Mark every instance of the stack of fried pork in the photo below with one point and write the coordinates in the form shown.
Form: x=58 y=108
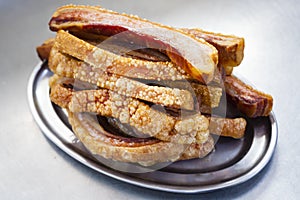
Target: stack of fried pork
x=157 y=86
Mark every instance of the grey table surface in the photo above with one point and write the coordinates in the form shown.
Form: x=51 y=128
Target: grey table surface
x=34 y=168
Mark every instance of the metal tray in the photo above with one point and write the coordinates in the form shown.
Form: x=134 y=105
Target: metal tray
x=233 y=161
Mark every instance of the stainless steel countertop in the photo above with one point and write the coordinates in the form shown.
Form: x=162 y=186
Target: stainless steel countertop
x=34 y=168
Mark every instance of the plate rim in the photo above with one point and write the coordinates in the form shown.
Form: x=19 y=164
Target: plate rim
x=122 y=176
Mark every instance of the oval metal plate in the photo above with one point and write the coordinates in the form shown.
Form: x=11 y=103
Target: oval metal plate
x=232 y=162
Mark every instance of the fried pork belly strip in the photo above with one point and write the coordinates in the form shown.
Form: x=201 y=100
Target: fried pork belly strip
x=250 y=101
x=230 y=48
x=110 y=62
x=146 y=151
x=63 y=65
x=145 y=119
x=69 y=67
x=227 y=127
x=195 y=56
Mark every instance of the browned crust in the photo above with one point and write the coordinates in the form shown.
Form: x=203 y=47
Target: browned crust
x=250 y=101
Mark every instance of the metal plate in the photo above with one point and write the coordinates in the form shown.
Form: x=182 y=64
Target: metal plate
x=233 y=161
